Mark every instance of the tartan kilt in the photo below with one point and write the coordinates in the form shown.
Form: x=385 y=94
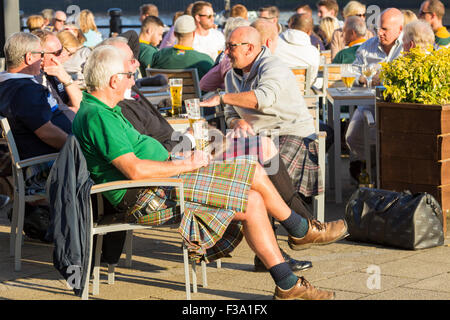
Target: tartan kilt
x=301 y=158
x=212 y=195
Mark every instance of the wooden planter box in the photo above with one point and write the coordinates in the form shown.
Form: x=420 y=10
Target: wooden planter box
x=414 y=149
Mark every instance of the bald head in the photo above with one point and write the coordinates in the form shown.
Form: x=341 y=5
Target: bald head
x=246 y=34
x=393 y=15
x=268 y=32
x=243 y=46
x=391 y=26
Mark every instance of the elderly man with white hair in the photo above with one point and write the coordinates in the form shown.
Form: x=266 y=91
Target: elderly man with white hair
x=418 y=34
x=239 y=192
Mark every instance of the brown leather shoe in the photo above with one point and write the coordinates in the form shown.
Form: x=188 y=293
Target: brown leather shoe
x=320 y=233
x=303 y=290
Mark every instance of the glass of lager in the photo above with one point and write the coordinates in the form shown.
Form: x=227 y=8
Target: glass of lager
x=348 y=74
x=201 y=136
x=193 y=110
x=176 y=91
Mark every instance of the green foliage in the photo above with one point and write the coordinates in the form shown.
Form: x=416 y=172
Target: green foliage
x=419 y=76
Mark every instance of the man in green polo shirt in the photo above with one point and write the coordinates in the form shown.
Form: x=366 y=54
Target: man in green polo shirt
x=115 y=151
x=182 y=55
x=354 y=36
x=151 y=35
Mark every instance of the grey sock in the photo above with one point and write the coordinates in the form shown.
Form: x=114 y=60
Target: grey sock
x=296 y=225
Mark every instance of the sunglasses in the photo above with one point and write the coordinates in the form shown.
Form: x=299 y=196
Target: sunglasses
x=128 y=74
x=230 y=46
x=209 y=16
x=59 y=20
x=42 y=53
x=422 y=13
x=360 y=15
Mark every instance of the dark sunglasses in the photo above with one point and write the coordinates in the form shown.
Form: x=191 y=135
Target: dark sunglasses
x=230 y=46
x=209 y=16
x=360 y=15
x=128 y=74
x=42 y=53
x=59 y=20
x=422 y=13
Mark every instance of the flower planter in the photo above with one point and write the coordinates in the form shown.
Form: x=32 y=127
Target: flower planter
x=414 y=149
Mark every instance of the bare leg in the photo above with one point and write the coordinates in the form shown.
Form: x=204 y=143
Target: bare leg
x=274 y=203
x=258 y=231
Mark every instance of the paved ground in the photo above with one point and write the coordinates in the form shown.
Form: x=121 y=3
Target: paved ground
x=354 y=271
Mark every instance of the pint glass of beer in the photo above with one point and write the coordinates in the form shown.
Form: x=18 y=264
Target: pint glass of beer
x=176 y=91
x=200 y=128
x=193 y=110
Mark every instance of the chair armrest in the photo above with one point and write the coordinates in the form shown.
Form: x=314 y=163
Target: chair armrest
x=368 y=117
x=36 y=160
x=126 y=184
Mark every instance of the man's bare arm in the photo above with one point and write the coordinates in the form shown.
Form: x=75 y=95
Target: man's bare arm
x=51 y=135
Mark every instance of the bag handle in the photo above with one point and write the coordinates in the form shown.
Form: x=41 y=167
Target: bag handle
x=387 y=206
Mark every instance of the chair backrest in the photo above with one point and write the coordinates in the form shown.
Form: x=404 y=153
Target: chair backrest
x=303 y=76
x=191 y=82
x=8 y=136
x=312 y=103
x=332 y=76
x=327 y=55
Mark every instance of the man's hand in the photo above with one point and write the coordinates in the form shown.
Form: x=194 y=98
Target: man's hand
x=57 y=71
x=241 y=128
x=211 y=102
x=196 y=159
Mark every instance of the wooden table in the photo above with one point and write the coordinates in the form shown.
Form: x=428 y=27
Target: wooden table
x=178 y=123
x=336 y=98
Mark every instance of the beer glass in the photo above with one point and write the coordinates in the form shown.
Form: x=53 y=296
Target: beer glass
x=348 y=74
x=193 y=110
x=200 y=128
x=176 y=91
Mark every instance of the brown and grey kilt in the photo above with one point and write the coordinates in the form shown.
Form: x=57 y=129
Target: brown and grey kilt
x=301 y=158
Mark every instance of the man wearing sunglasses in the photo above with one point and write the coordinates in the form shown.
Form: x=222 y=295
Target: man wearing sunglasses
x=37 y=128
x=207 y=39
x=64 y=93
x=59 y=21
x=433 y=11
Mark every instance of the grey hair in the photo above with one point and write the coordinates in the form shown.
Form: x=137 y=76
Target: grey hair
x=17 y=46
x=420 y=32
x=356 y=24
x=232 y=23
x=103 y=62
x=111 y=41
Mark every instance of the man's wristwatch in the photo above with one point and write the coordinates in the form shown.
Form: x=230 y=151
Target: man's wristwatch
x=221 y=94
x=68 y=83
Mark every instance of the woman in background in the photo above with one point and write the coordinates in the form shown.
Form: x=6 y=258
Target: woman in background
x=77 y=54
x=327 y=26
x=89 y=28
x=35 y=22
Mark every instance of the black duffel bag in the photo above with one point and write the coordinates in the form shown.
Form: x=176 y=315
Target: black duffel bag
x=398 y=219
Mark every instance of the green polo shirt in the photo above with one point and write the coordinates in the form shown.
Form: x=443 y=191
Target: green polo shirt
x=442 y=37
x=180 y=57
x=146 y=52
x=347 y=55
x=104 y=134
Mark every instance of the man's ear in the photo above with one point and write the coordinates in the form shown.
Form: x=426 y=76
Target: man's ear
x=28 y=58
x=113 y=81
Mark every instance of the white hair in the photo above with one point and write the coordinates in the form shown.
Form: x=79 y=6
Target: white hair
x=232 y=23
x=103 y=62
x=356 y=24
x=420 y=32
x=17 y=46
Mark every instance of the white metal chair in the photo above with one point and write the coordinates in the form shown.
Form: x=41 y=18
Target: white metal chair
x=20 y=198
x=312 y=102
x=101 y=230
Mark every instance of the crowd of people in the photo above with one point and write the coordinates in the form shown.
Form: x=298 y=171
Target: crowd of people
x=64 y=79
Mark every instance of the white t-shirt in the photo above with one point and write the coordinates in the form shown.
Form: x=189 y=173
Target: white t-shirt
x=211 y=44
